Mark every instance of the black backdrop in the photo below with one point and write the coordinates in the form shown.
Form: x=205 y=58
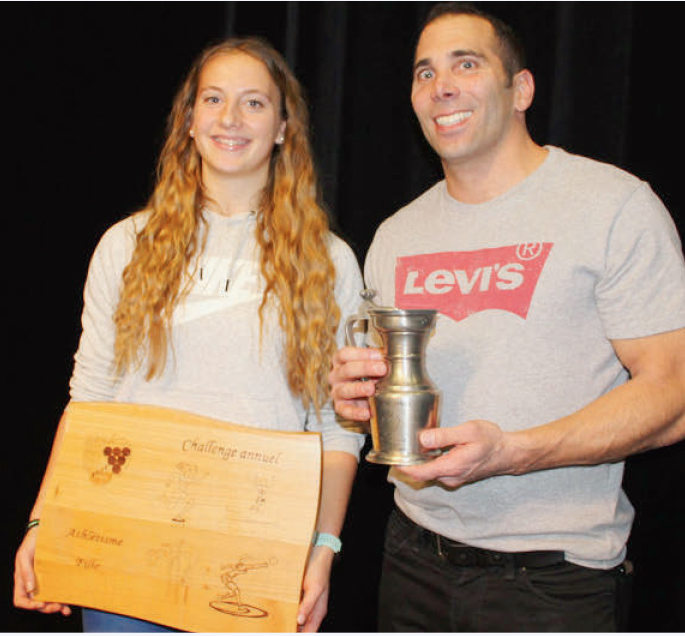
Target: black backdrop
x=87 y=87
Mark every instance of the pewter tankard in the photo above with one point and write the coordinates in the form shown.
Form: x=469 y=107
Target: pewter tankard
x=405 y=401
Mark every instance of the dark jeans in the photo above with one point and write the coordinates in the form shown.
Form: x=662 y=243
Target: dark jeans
x=422 y=592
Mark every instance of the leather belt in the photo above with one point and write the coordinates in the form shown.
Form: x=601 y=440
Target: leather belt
x=460 y=554
x=465 y=555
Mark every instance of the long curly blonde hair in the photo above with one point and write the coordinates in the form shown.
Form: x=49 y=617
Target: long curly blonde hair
x=292 y=232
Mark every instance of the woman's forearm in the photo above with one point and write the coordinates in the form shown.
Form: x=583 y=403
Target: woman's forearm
x=338 y=473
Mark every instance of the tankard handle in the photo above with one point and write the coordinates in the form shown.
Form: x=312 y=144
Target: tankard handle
x=350 y=324
x=363 y=316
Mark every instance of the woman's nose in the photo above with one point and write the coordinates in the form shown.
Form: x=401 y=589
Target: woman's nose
x=230 y=115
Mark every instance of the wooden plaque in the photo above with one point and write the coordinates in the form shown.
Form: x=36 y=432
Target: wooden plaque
x=179 y=519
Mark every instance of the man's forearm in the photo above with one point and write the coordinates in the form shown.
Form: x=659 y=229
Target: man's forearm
x=642 y=414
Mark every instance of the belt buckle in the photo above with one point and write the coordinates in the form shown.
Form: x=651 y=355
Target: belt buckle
x=457 y=557
x=438 y=543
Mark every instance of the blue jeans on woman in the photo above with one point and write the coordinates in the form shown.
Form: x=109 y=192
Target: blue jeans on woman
x=97 y=621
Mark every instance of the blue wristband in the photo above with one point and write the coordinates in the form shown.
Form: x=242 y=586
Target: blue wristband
x=329 y=541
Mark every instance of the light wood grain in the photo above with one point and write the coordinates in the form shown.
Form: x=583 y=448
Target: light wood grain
x=179 y=519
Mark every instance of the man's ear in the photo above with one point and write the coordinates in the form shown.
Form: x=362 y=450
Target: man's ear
x=524 y=87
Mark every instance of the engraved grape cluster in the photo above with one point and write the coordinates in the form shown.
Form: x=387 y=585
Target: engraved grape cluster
x=116 y=457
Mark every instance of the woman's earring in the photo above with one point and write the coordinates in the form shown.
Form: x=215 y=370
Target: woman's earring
x=192 y=134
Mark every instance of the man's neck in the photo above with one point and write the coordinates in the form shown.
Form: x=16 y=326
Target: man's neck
x=478 y=181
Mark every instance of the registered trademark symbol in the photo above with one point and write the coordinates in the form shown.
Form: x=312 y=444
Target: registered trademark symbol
x=529 y=251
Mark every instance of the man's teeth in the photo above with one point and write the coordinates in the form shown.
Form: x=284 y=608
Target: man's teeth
x=450 y=120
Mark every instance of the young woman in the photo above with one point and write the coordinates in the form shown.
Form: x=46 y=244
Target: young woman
x=226 y=294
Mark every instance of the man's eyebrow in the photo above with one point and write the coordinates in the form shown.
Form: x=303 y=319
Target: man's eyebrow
x=456 y=54
x=421 y=63
x=467 y=53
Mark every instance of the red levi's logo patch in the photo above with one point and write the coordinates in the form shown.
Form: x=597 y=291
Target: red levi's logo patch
x=459 y=284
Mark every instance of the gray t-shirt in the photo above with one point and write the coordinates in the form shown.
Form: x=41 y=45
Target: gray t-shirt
x=217 y=366
x=530 y=289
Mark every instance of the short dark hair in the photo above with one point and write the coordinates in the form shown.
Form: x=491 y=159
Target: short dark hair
x=512 y=51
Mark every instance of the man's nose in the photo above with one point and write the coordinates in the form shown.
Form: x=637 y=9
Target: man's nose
x=445 y=87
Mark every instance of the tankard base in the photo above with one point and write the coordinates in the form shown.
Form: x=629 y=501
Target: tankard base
x=397 y=458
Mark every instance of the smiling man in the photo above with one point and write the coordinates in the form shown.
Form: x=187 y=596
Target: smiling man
x=471 y=106
x=559 y=350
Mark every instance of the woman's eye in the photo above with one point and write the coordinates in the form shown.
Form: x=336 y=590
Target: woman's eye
x=212 y=99
x=254 y=103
